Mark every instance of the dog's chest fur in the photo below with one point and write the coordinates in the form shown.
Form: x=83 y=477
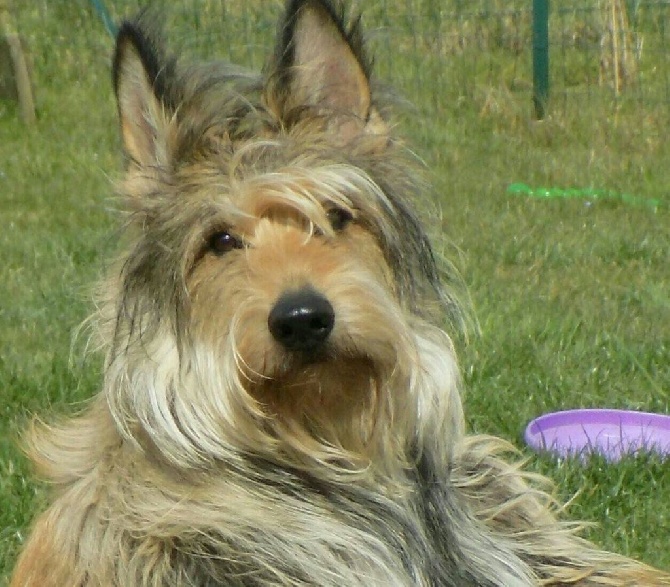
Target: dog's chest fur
x=292 y=529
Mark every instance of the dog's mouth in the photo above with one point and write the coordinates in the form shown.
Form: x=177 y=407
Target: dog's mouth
x=316 y=381
x=320 y=369
x=311 y=360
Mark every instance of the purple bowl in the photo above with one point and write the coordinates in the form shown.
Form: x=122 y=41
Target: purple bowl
x=610 y=433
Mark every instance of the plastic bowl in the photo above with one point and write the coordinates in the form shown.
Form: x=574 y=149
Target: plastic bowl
x=610 y=433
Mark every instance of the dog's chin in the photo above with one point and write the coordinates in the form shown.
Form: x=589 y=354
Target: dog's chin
x=323 y=380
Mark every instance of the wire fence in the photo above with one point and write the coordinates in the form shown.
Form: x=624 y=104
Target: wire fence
x=605 y=52
x=439 y=53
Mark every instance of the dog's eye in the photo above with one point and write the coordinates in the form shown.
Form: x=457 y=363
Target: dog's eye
x=224 y=242
x=339 y=218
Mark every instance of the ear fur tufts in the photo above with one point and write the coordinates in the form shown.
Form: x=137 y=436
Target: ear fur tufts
x=144 y=36
x=320 y=67
x=349 y=28
x=140 y=74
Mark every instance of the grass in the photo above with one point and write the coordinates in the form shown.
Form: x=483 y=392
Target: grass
x=571 y=296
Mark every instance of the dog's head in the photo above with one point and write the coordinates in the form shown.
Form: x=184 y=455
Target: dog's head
x=274 y=292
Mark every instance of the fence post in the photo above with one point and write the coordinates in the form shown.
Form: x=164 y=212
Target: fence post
x=540 y=56
x=12 y=50
x=107 y=20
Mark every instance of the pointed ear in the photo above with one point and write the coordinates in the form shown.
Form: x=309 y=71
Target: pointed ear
x=138 y=72
x=320 y=64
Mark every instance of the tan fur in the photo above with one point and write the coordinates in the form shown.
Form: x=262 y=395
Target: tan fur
x=236 y=442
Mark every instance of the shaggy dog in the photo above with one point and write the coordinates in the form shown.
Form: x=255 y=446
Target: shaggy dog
x=280 y=404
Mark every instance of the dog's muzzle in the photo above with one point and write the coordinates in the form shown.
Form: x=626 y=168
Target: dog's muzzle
x=302 y=320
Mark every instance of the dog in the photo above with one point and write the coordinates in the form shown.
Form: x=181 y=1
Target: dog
x=280 y=404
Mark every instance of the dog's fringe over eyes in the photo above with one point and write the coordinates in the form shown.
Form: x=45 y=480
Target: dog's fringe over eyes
x=280 y=404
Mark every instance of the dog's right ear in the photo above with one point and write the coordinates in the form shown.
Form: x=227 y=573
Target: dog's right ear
x=140 y=71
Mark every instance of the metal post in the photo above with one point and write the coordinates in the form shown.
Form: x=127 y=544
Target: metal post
x=540 y=56
x=107 y=20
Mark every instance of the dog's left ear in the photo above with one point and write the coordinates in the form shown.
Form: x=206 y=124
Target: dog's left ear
x=320 y=64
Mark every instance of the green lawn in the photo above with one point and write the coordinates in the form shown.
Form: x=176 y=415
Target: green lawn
x=572 y=297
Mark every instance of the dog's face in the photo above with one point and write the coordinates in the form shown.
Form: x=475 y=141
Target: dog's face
x=276 y=276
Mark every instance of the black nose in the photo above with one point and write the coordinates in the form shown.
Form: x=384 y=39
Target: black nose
x=301 y=320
